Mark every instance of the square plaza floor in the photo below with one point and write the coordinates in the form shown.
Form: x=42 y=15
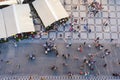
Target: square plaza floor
x=111 y=9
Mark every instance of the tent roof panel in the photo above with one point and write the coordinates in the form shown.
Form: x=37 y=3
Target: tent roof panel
x=8 y=2
x=44 y=12
x=58 y=9
x=23 y=18
x=2 y=26
x=10 y=22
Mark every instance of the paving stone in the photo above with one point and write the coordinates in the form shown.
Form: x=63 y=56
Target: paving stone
x=75 y=1
x=117 y=2
x=118 y=8
x=113 y=28
x=44 y=35
x=112 y=8
x=91 y=36
x=98 y=21
x=105 y=8
x=76 y=14
x=92 y=27
x=98 y=28
x=60 y=28
x=52 y=35
x=99 y=1
x=68 y=7
x=118 y=28
x=75 y=35
x=114 y=35
x=113 y=21
x=104 y=1
x=111 y=1
x=105 y=14
x=118 y=15
x=67 y=28
x=90 y=21
x=99 y=15
x=67 y=34
x=68 y=1
x=100 y=35
x=118 y=21
x=82 y=8
x=83 y=14
x=106 y=29
x=106 y=35
x=112 y=14
x=83 y=35
x=119 y=35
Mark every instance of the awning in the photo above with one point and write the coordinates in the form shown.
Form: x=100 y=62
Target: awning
x=17 y=19
x=50 y=11
x=8 y=2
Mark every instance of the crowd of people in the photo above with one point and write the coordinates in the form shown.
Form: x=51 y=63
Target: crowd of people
x=93 y=8
x=50 y=47
x=89 y=61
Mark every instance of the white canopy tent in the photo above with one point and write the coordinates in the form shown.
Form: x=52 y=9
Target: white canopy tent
x=17 y=19
x=8 y=2
x=50 y=11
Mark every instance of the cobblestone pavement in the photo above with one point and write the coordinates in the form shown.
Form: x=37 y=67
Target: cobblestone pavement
x=57 y=78
x=111 y=9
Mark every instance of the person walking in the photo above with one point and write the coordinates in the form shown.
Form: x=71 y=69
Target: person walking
x=105 y=50
x=97 y=39
x=86 y=27
x=81 y=48
x=84 y=43
x=107 y=53
x=105 y=65
x=65 y=64
x=111 y=40
x=53 y=68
